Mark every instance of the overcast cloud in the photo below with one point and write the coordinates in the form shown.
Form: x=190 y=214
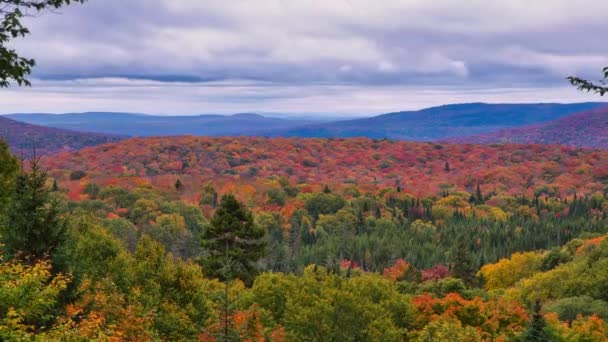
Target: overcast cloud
x=339 y=57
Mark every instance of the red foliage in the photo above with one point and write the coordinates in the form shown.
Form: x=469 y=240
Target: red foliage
x=24 y=137
x=229 y=163
x=586 y=129
x=437 y=272
x=346 y=264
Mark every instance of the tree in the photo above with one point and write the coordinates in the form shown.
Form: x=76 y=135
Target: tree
x=29 y=298
x=446 y=167
x=463 y=267
x=588 y=86
x=179 y=185
x=9 y=167
x=14 y=68
x=538 y=330
x=32 y=226
x=232 y=238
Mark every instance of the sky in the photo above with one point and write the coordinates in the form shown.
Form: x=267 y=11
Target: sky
x=307 y=57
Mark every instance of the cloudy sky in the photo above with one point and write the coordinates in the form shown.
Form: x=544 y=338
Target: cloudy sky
x=330 y=57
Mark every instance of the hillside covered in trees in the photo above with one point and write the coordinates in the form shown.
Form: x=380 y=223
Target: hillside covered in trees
x=23 y=138
x=587 y=129
x=420 y=169
x=428 y=124
x=332 y=238
x=263 y=244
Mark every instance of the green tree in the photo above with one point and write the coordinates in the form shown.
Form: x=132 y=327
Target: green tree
x=324 y=203
x=9 y=167
x=29 y=298
x=32 y=226
x=584 y=85
x=538 y=330
x=232 y=238
x=463 y=267
x=14 y=68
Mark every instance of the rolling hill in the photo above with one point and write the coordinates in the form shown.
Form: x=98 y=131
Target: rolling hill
x=438 y=123
x=429 y=124
x=151 y=125
x=586 y=129
x=23 y=138
x=419 y=168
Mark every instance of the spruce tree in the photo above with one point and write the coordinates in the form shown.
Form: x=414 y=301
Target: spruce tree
x=9 y=167
x=32 y=227
x=233 y=239
x=179 y=185
x=478 y=195
x=538 y=330
x=463 y=267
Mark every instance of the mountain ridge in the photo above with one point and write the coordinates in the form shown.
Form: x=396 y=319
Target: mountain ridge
x=24 y=138
x=586 y=129
x=430 y=124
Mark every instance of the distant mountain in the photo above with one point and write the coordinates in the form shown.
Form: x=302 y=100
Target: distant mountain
x=150 y=125
x=429 y=124
x=586 y=129
x=23 y=138
x=441 y=122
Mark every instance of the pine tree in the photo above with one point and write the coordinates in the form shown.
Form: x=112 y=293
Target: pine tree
x=326 y=190
x=463 y=267
x=9 y=167
x=232 y=238
x=447 y=167
x=478 y=195
x=179 y=185
x=538 y=330
x=32 y=227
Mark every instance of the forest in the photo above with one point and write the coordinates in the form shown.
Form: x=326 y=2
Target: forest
x=218 y=239
x=105 y=237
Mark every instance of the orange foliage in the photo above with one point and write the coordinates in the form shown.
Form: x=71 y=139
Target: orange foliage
x=102 y=311
x=397 y=271
x=491 y=318
x=508 y=169
x=591 y=328
x=591 y=242
x=246 y=324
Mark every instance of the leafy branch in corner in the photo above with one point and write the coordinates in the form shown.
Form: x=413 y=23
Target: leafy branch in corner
x=584 y=85
x=13 y=67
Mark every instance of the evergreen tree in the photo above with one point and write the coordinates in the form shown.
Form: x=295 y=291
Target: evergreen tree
x=447 y=167
x=538 y=330
x=179 y=185
x=9 y=167
x=232 y=238
x=32 y=227
x=463 y=267
x=326 y=190
x=478 y=195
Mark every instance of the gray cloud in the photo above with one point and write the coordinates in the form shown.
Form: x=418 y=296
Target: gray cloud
x=378 y=47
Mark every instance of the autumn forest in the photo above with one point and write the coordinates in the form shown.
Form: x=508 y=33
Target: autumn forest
x=475 y=209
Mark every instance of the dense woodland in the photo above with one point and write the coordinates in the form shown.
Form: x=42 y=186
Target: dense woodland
x=564 y=131
x=24 y=138
x=288 y=240
x=252 y=239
